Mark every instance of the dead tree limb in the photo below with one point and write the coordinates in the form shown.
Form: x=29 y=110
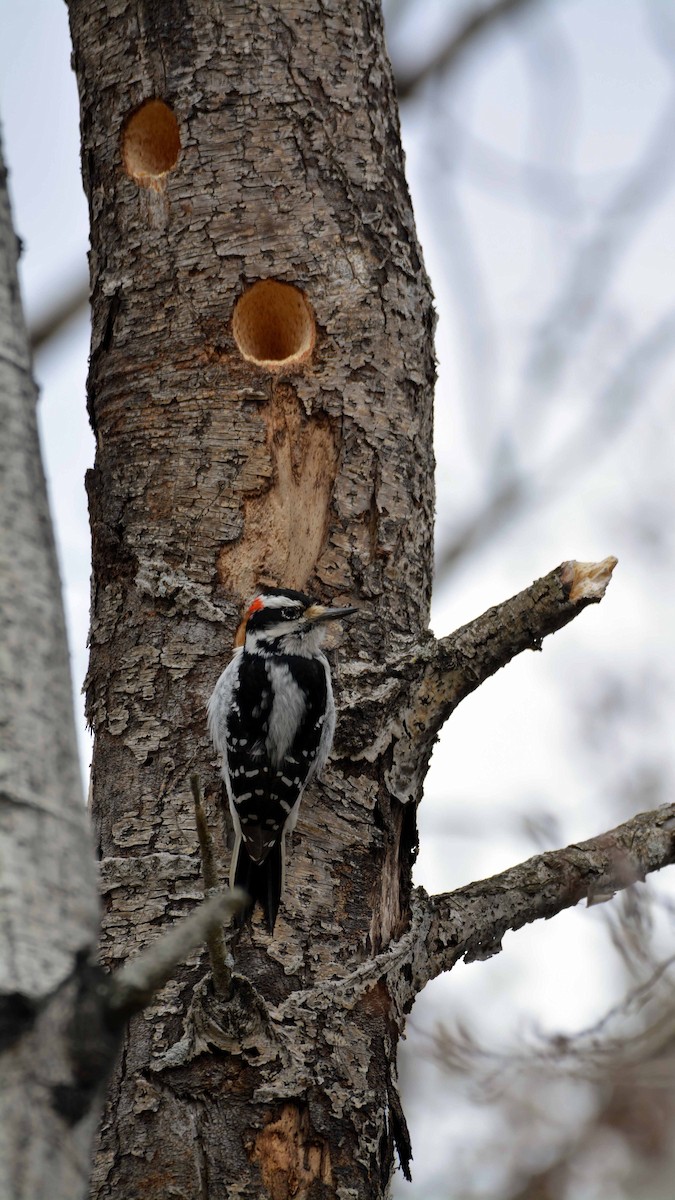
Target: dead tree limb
x=470 y=922
x=423 y=689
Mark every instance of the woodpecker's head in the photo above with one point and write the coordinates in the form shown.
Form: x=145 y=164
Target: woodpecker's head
x=280 y=621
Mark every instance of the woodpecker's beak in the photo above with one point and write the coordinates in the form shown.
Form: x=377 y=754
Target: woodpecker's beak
x=318 y=613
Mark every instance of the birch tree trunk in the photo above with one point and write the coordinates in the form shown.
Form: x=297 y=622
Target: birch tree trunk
x=48 y=892
x=261 y=389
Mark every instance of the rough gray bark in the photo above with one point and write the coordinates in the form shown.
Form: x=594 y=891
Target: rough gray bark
x=224 y=459
x=48 y=890
x=206 y=465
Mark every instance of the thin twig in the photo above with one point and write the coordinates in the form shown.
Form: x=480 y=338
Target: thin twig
x=448 y=55
x=132 y=987
x=215 y=942
x=70 y=304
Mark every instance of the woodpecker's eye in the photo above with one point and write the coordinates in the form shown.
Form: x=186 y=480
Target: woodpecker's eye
x=289 y=614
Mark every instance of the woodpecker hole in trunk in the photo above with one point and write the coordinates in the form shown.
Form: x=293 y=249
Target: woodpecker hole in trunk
x=273 y=325
x=150 y=143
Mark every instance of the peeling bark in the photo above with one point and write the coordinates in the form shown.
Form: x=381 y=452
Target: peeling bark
x=213 y=474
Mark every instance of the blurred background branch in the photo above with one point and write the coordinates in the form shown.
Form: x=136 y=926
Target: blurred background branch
x=56 y=320
x=462 y=39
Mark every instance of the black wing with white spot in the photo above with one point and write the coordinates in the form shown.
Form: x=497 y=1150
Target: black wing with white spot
x=273 y=742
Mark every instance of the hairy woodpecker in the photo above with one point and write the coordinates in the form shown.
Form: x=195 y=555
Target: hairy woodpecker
x=272 y=718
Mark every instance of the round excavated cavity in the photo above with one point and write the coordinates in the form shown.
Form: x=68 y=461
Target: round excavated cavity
x=273 y=325
x=150 y=143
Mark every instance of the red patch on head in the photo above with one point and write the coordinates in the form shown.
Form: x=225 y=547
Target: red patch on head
x=257 y=604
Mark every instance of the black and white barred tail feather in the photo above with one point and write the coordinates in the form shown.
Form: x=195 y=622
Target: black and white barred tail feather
x=263 y=882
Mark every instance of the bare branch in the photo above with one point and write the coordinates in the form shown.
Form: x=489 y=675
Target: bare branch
x=449 y=54
x=133 y=986
x=450 y=669
x=468 y=657
x=470 y=922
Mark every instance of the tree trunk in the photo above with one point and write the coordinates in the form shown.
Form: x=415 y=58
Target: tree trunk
x=48 y=892
x=290 y=443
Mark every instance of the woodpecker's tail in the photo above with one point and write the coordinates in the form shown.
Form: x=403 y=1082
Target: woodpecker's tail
x=263 y=881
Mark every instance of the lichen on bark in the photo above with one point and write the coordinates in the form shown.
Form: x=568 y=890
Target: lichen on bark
x=213 y=473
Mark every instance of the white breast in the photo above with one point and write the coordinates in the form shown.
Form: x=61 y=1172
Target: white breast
x=288 y=709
